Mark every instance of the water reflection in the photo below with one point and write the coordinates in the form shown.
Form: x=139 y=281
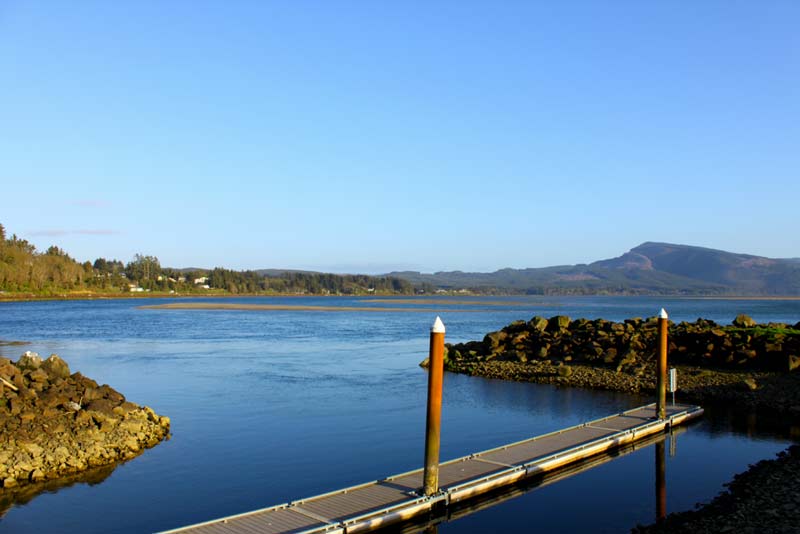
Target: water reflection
x=257 y=399
x=10 y=497
x=719 y=423
x=553 y=401
x=721 y=419
x=430 y=524
x=661 y=481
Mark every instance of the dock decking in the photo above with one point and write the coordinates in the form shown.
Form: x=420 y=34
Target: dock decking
x=399 y=497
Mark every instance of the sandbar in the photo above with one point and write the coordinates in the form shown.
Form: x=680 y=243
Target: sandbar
x=224 y=306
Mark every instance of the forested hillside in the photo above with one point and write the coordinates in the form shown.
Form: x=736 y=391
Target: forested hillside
x=22 y=268
x=25 y=270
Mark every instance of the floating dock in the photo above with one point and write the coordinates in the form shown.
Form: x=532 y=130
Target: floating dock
x=400 y=498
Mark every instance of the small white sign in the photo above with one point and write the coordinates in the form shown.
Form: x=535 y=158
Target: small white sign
x=673 y=380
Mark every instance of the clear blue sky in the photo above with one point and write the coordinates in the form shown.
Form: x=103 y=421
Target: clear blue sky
x=371 y=136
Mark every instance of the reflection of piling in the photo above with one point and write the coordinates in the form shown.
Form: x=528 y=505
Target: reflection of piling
x=661 y=482
x=661 y=369
x=434 y=416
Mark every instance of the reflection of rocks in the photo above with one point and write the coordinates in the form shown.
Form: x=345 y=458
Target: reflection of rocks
x=765 y=498
x=22 y=494
x=54 y=423
x=745 y=363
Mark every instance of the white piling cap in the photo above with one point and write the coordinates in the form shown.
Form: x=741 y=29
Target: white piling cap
x=438 y=326
x=663 y=314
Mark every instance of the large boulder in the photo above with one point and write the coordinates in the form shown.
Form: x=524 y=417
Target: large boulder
x=539 y=324
x=104 y=406
x=559 y=322
x=494 y=340
x=516 y=326
x=56 y=367
x=7 y=368
x=744 y=321
x=29 y=360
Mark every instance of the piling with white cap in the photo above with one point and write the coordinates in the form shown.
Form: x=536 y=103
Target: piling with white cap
x=434 y=416
x=661 y=368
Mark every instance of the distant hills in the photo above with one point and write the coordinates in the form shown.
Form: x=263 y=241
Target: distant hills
x=650 y=268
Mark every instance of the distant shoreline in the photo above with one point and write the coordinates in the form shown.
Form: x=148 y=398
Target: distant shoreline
x=382 y=298
x=222 y=306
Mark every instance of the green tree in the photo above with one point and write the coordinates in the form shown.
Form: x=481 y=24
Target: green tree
x=144 y=269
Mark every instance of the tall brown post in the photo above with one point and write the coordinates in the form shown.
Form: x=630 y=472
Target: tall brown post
x=434 y=419
x=661 y=482
x=661 y=369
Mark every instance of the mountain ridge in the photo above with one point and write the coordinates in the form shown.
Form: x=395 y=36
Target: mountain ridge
x=650 y=268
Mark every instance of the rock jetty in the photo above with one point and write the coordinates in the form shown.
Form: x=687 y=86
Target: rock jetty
x=743 y=364
x=54 y=423
x=746 y=363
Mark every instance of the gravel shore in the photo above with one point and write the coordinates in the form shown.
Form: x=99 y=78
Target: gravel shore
x=765 y=498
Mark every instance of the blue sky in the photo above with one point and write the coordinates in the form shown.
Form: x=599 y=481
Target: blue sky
x=373 y=136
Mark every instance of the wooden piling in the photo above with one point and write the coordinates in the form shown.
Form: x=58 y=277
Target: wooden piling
x=661 y=369
x=434 y=414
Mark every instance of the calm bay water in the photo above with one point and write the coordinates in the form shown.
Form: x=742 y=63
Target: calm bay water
x=270 y=406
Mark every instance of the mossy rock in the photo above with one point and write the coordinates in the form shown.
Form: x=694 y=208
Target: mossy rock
x=561 y=322
x=538 y=324
x=743 y=321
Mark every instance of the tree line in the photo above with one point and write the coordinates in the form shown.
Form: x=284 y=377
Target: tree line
x=309 y=283
x=24 y=269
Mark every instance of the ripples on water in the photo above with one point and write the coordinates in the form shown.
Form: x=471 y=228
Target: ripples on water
x=269 y=406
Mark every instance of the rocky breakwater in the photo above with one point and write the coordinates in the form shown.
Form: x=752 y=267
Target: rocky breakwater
x=54 y=423
x=744 y=362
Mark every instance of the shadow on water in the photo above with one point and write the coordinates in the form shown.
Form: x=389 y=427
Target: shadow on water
x=21 y=495
x=720 y=419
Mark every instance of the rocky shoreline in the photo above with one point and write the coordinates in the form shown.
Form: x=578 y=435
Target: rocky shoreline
x=745 y=364
x=55 y=424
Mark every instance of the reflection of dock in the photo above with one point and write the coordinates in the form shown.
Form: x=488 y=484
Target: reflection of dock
x=466 y=508
x=400 y=498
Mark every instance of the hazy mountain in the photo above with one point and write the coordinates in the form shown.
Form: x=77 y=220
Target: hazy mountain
x=659 y=268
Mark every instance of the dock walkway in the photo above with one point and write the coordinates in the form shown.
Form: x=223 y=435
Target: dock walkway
x=399 y=498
